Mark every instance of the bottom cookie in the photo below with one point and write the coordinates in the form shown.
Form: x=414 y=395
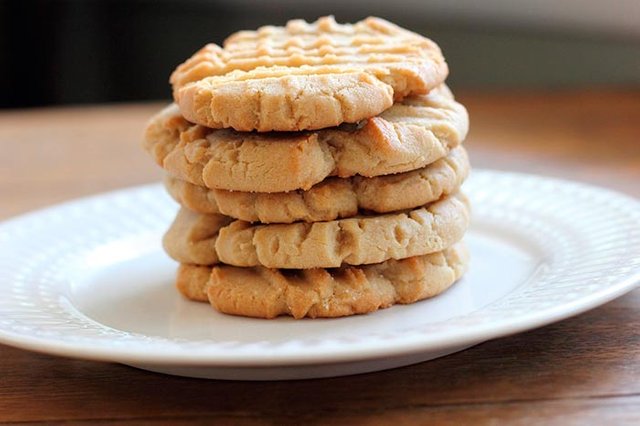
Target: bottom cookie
x=267 y=293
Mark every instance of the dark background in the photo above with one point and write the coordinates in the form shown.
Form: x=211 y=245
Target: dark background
x=73 y=51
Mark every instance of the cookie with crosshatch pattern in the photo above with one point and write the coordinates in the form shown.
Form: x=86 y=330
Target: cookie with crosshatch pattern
x=306 y=76
x=411 y=134
x=207 y=239
x=332 y=198
x=349 y=290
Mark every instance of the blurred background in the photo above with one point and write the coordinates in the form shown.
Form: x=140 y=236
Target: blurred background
x=75 y=52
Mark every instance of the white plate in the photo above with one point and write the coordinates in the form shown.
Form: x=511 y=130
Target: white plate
x=88 y=279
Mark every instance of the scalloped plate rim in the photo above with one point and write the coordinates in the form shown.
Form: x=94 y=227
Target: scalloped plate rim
x=347 y=353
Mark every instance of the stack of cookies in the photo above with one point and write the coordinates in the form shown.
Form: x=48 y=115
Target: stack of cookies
x=318 y=167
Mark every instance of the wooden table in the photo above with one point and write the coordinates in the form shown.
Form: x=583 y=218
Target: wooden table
x=582 y=369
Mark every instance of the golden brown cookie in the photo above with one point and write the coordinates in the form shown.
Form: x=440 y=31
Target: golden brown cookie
x=306 y=76
x=409 y=135
x=203 y=240
x=191 y=238
x=332 y=198
x=354 y=241
x=267 y=293
x=192 y=281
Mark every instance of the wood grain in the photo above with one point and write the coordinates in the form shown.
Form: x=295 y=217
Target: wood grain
x=582 y=370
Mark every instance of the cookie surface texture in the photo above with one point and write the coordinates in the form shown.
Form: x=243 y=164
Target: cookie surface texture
x=354 y=241
x=332 y=198
x=267 y=293
x=306 y=76
x=208 y=239
x=408 y=136
x=191 y=238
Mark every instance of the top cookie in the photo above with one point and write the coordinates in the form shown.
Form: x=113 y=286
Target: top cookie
x=305 y=76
